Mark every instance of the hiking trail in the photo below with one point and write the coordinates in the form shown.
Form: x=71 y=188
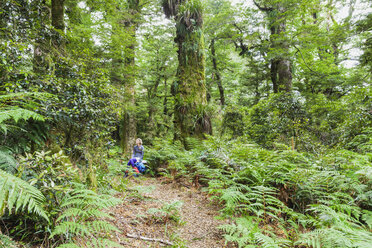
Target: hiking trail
x=151 y=209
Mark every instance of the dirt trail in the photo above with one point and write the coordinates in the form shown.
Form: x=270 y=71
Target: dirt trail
x=196 y=229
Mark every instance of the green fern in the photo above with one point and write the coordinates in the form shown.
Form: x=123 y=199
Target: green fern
x=246 y=233
x=234 y=199
x=169 y=211
x=19 y=106
x=241 y=233
x=17 y=114
x=18 y=195
x=7 y=161
x=336 y=236
x=82 y=218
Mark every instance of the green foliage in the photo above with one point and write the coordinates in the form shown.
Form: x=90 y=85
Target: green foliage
x=246 y=233
x=169 y=211
x=279 y=198
x=17 y=112
x=6 y=241
x=81 y=221
x=18 y=195
x=275 y=118
x=312 y=189
x=7 y=161
x=52 y=174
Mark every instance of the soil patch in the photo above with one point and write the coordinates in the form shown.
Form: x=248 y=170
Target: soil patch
x=157 y=209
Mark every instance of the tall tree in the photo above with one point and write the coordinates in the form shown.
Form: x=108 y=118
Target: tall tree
x=191 y=117
x=280 y=64
x=124 y=67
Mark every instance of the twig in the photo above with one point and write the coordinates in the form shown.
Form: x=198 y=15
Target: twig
x=149 y=239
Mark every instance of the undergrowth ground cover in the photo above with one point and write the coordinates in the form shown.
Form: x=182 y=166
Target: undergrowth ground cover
x=278 y=198
x=270 y=198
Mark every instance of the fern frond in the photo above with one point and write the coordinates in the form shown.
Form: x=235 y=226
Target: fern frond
x=99 y=226
x=14 y=192
x=336 y=236
x=102 y=243
x=7 y=161
x=232 y=197
x=70 y=227
x=85 y=197
x=266 y=241
x=82 y=219
x=81 y=213
x=242 y=232
x=17 y=114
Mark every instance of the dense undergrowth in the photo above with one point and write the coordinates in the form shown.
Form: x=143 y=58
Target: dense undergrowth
x=49 y=202
x=278 y=198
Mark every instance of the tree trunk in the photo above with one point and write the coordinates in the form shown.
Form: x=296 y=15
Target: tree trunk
x=280 y=71
x=129 y=124
x=58 y=12
x=42 y=60
x=152 y=104
x=274 y=74
x=165 y=102
x=217 y=73
x=189 y=90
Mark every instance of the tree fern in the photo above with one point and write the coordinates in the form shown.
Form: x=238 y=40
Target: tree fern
x=18 y=195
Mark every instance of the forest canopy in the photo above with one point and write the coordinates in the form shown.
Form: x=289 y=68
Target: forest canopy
x=264 y=104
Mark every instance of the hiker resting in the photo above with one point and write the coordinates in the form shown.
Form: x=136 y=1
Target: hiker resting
x=138 y=150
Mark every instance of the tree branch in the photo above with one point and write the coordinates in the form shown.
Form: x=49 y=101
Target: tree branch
x=149 y=239
x=266 y=9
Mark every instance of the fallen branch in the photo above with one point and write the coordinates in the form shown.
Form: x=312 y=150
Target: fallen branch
x=149 y=239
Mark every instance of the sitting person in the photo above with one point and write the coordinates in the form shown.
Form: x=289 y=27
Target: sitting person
x=138 y=150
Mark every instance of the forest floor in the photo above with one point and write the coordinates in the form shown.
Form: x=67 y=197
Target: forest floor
x=169 y=214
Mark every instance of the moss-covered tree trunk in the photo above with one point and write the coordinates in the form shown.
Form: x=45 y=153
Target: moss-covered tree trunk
x=189 y=90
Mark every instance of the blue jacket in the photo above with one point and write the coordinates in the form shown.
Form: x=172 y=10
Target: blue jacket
x=138 y=152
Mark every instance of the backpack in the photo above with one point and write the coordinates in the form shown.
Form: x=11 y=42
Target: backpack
x=141 y=167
